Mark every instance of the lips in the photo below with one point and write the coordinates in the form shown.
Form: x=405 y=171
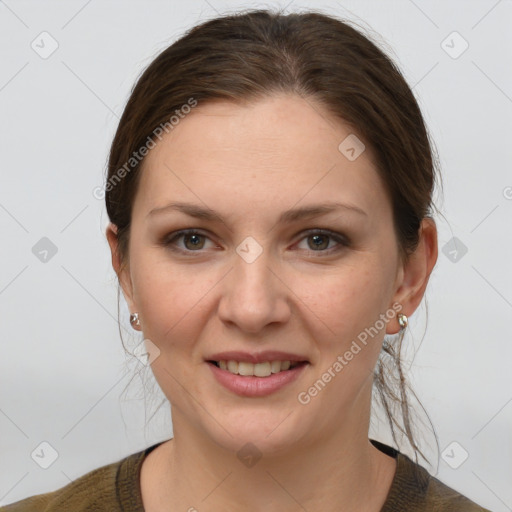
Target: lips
x=251 y=385
x=256 y=374
x=262 y=364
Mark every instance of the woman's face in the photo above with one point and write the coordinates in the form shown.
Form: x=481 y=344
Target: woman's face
x=257 y=278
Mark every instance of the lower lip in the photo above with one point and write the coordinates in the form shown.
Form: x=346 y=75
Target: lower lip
x=245 y=385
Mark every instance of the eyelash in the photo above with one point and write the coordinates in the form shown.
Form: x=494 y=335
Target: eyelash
x=343 y=242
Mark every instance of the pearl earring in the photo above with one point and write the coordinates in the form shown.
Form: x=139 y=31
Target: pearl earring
x=402 y=321
x=134 y=320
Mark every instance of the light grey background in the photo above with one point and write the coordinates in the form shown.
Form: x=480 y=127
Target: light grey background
x=63 y=368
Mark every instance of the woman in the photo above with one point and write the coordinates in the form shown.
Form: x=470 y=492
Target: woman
x=270 y=196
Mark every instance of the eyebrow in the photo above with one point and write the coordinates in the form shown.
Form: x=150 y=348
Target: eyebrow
x=286 y=217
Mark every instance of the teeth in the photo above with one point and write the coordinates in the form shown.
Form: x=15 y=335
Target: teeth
x=258 y=370
x=275 y=366
x=232 y=366
x=246 y=368
x=262 y=369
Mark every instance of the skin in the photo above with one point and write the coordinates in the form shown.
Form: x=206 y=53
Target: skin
x=249 y=163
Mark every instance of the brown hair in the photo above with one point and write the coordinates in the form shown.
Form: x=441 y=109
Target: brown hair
x=252 y=54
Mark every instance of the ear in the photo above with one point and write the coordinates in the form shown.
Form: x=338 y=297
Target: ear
x=413 y=276
x=121 y=268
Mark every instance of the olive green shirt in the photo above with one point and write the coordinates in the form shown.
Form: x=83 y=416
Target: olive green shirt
x=116 y=488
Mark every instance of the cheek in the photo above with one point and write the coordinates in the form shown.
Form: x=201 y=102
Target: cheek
x=174 y=301
x=345 y=324
x=346 y=301
x=345 y=314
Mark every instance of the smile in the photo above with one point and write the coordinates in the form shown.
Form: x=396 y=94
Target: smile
x=256 y=379
x=263 y=369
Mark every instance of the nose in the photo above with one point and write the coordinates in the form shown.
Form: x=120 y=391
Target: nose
x=254 y=295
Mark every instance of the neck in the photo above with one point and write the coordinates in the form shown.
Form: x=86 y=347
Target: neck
x=340 y=471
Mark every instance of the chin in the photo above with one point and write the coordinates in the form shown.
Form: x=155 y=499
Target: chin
x=268 y=432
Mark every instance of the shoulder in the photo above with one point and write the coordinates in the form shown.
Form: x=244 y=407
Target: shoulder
x=444 y=498
x=415 y=490
x=96 y=490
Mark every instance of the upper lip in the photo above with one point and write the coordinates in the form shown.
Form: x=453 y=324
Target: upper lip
x=256 y=357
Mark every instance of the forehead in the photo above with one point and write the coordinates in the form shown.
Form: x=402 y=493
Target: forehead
x=281 y=147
